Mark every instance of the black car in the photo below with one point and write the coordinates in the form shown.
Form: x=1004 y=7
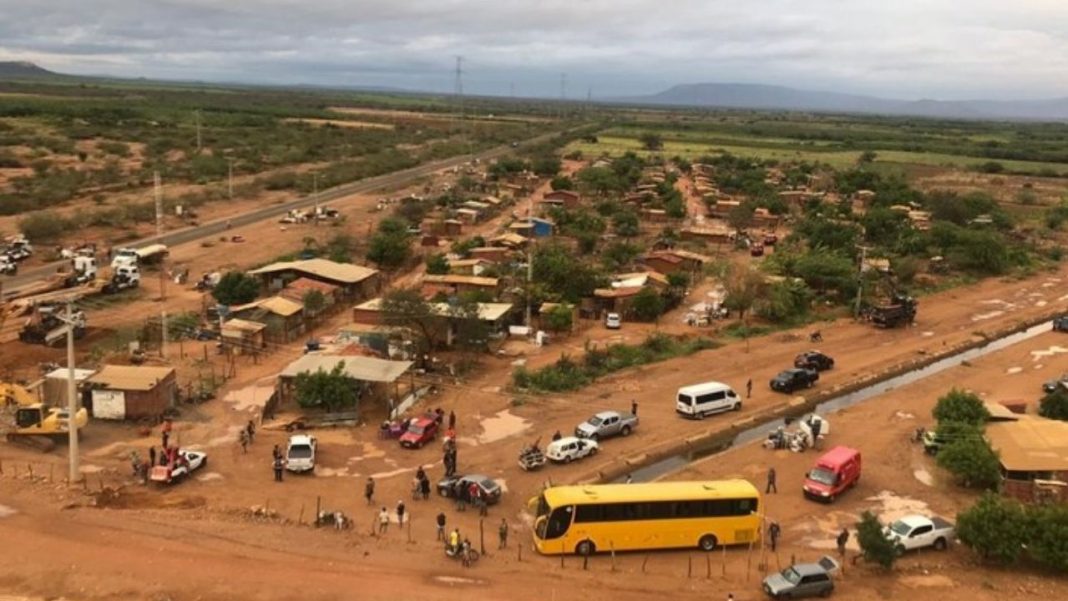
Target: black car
x=792 y=379
x=814 y=360
x=461 y=485
x=1060 y=324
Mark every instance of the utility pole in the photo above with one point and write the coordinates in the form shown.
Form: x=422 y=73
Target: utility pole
x=163 y=334
x=196 y=114
x=158 y=191
x=72 y=398
x=230 y=177
x=530 y=262
x=458 y=89
x=860 y=280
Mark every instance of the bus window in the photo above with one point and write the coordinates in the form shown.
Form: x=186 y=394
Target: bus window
x=558 y=523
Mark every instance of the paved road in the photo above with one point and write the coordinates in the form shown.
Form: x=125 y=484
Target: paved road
x=213 y=228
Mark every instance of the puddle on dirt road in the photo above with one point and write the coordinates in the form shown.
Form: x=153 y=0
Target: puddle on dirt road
x=894 y=507
x=760 y=431
x=923 y=476
x=1013 y=370
x=6 y=512
x=250 y=398
x=1051 y=351
x=501 y=426
x=210 y=476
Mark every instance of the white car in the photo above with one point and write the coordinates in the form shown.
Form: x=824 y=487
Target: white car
x=613 y=321
x=570 y=448
x=300 y=453
x=185 y=463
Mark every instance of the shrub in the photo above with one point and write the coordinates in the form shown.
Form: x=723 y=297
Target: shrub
x=960 y=406
x=437 y=264
x=1055 y=405
x=971 y=460
x=236 y=288
x=43 y=225
x=559 y=318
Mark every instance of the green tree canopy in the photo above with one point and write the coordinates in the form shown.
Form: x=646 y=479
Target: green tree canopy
x=648 y=305
x=996 y=528
x=651 y=141
x=236 y=288
x=1055 y=405
x=565 y=275
x=390 y=247
x=562 y=182
x=332 y=390
x=971 y=460
x=874 y=545
x=960 y=406
x=406 y=308
x=559 y=318
x=743 y=287
x=437 y=264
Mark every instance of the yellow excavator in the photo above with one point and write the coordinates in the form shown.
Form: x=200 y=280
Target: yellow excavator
x=37 y=426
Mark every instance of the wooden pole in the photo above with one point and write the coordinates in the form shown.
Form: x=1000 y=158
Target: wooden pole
x=612 y=547
x=708 y=566
x=481 y=536
x=689 y=566
x=645 y=560
x=318 y=509
x=724 y=560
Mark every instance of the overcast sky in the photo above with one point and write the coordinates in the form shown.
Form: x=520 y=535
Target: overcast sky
x=946 y=49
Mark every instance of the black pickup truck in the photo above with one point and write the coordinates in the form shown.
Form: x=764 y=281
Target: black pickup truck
x=792 y=379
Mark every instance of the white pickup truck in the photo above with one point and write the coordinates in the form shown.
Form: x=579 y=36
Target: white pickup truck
x=917 y=532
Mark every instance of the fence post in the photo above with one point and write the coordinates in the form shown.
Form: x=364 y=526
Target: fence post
x=318 y=509
x=689 y=566
x=708 y=566
x=481 y=536
x=645 y=560
x=612 y=548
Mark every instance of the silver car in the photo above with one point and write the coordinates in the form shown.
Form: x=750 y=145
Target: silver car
x=802 y=580
x=607 y=424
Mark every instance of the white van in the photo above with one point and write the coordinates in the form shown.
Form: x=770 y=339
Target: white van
x=700 y=400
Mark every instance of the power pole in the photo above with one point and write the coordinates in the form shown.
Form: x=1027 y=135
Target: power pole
x=196 y=114
x=860 y=280
x=230 y=177
x=158 y=191
x=458 y=89
x=163 y=334
x=530 y=262
x=72 y=398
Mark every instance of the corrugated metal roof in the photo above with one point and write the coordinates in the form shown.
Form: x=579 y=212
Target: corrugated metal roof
x=472 y=280
x=366 y=369
x=281 y=306
x=242 y=326
x=131 y=377
x=486 y=311
x=346 y=273
x=62 y=373
x=1034 y=444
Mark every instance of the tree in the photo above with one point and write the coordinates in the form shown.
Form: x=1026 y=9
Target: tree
x=472 y=334
x=570 y=277
x=960 y=406
x=314 y=302
x=874 y=545
x=743 y=288
x=391 y=246
x=651 y=141
x=741 y=216
x=972 y=461
x=1049 y=536
x=559 y=318
x=333 y=390
x=437 y=264
x=785 y=302
x=995 y=528
x=406 y=308
x=546 y=165
x=236 y=288
x=620 y=254
x=626 y=223
x=1055 y=405
x=562 y=182
x=648 y=305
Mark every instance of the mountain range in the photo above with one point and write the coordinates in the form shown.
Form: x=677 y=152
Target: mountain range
x=769 y=97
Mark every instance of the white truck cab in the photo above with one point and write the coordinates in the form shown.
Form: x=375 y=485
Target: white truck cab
x=125 y=256
x=300 y=453
x=917 y=532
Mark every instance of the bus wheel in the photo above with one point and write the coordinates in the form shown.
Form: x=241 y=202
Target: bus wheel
x=585 y=548
x=707 y=543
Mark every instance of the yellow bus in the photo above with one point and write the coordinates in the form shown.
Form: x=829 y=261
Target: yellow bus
x=659 y=515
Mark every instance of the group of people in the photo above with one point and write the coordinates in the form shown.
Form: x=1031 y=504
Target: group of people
x=244 y=438
x=278 y=460
x=420 y=485
x=470 y=493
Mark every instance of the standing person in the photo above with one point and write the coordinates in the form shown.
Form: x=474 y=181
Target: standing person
x=773 y=534
x=816 y=425
x=441 y=526
x=629 y=479
x=474 y=493
x=242 y=439
x=400 y=512
x=424 y=487
x=151 y=456
x=749 y=388
x=251 y=429
x=502 y=532
x=420 y=474
x=276 y=452
x=843 y=538
x=557 y=436
x=439 y=416
x=461 y=496
x=771 y=487
x=483 y=503
x=454 y=540
x=383 y=521
x=452 y=420
x=466 y=551
x=279 y=465
x=634 y=407
x=165 y=431
x=369 y=491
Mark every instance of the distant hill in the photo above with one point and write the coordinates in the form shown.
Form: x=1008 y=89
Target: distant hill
x=23 y=69
x=768 y=97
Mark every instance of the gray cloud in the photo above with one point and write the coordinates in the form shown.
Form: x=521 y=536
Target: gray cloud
x=906 y=48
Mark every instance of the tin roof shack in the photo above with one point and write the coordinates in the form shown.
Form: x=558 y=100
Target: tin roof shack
x=676 y=260
x=625 y=287
x=284 y=318
x=493 y=254
x=1033 y=453
x=711 y=234
x=299 y=290
x=535 y=227
x=495 y=315
x=458 y=284
x=356 y=282
x=560 y=198
x=240 y=336
x=54 y=390
x=374 y=378
x=468 y=266
x=132 y=391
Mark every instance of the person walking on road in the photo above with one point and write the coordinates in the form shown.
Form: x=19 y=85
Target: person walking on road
x=441 y=526
x=242 y=439
x=461 y=497
x=424 y=487
x=749 y=388
x=773 y=535
x=151 y=456
x=251 y=429
x=369 y=491
x=383 y=521
x=276 y=452
x=771 y=487
x=452 y=420
x=279 y=465
x=634 y=407
x=400 y=512
x=843 y=538
x=502 y=532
